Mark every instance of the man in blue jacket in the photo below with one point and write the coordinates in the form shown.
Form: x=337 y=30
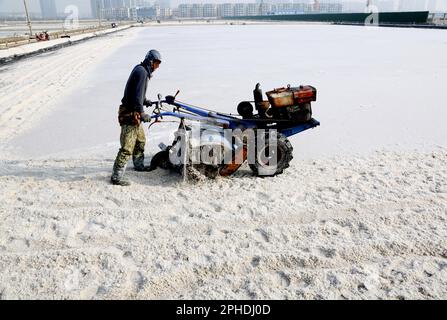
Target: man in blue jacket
x=131 y=114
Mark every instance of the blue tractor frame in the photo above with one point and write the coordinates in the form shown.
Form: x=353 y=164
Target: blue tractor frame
x=219 y=121
x=185 y=111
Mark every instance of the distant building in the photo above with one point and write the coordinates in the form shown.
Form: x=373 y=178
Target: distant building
x=184 y=10
x=120 y=14
x=197 y=10
x=210 y=10
x=48 y=9
x=165 y=13
x=259 y=8
x=153 y=12
x=164 y=4
x=96 y=7
x=265 y=9
x=133 y=16
x=240 y=9
x=115 y=9
x=331 y=7
x=253 y=9
x=226 y=10
x=148 y=12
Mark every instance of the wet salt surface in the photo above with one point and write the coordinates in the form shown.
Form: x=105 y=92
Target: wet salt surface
x=378 y=89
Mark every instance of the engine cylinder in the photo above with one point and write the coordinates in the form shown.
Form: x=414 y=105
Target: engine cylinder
x=259 y=100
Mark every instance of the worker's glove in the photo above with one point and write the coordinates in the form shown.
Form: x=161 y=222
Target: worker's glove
x=170 y=99
x=148 y=103
x=145 y=117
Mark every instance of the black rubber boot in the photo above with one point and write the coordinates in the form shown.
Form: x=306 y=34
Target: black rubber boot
x=139 y=166
x=118 y=177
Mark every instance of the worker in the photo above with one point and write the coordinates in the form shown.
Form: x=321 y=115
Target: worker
x=131 y=115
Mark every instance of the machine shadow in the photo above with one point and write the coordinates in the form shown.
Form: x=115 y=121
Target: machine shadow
x=57 y=170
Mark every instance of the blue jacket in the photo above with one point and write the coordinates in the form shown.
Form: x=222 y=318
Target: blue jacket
x=136 y=87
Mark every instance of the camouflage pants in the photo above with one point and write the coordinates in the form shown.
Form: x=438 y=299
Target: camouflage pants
x=133 y=141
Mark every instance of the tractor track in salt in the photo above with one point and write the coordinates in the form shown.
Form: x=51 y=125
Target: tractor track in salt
x=35 y=85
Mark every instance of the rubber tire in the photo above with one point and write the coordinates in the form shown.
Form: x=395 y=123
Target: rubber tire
x=245 y=109
x=161 y=160
x=285 y=149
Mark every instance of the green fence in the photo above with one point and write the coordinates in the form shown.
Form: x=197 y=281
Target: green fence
x=416 y=17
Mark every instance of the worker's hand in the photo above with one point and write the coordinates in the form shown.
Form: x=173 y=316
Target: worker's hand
x=148 y=103
x=145 y=117
x=170 y=99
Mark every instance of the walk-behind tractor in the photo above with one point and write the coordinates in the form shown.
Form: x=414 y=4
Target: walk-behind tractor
x=217 y=144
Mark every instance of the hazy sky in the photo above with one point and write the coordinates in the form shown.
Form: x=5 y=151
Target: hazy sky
x=84 y=5
x=17 y=5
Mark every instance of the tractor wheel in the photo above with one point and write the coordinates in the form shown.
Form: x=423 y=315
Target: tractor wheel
x=161 y=160
x=284 y=154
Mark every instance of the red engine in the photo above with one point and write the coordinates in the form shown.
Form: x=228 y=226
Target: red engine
x=290 y=103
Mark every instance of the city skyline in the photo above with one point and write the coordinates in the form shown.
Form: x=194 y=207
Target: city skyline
x=48 y=9
x=85 y=6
